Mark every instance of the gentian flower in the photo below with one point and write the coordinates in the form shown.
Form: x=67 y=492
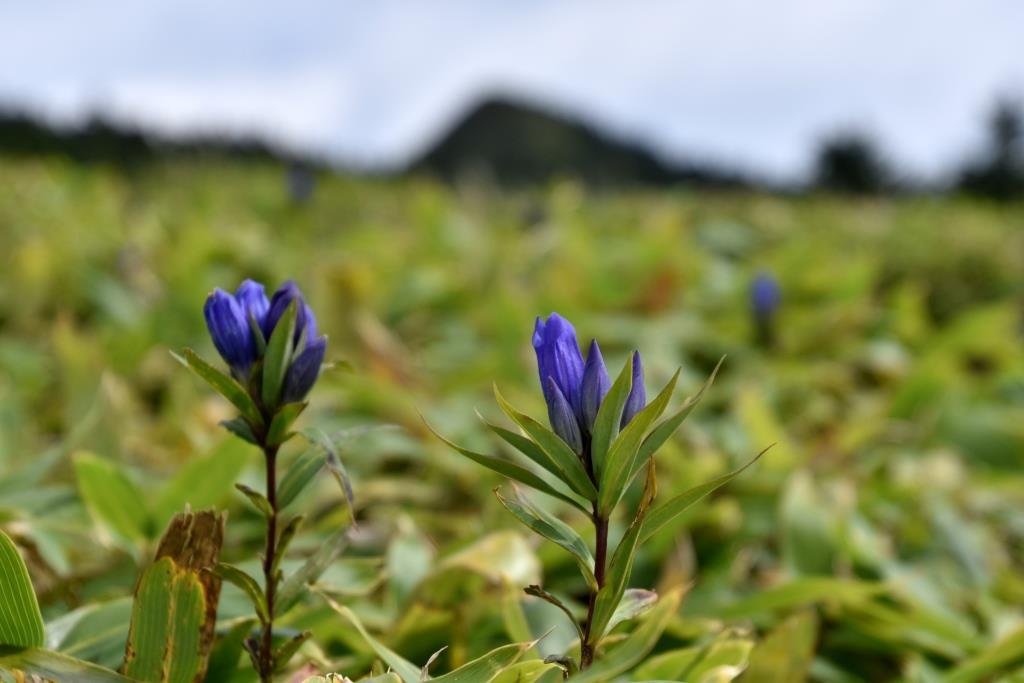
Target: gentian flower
x=637 y=398
x=233 y=321
x=230 y=331
x=765 y=295
x=304 y=321
x=574 y=390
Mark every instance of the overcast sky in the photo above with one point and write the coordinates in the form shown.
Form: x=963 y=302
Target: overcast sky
x=749 y=82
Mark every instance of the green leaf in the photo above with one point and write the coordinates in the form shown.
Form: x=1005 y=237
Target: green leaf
x=722 y=659
x=634 y=602
x=21 y=624
x=112 y=499
x=300 y=473
x=95 y=632
x=530 y=672
x=786 y=653
x=538 y=592
x=227 y=650
x=634 y=648
x=623 y=452
x=409 y=672
x=553 y=529
x=53 y=666
x=571 y=469
x=282 y=422
x=802 y=592
x=284 y=539
x=241 y=428
x=334 y=465
x=257 y=499
x=247 y=584
x=203 y=482
x=486 y=667
x=510 y=470
x=294 y=586
x=1004 y=656
x=168 y=614
x=609 y=417
x=279 y=355
x=662 y=514
x=529 y=448
x=667 y=427
x=222 y=384
x=619 y=569
x=287 y=650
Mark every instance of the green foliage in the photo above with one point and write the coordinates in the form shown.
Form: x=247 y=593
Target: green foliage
x=889 y=506
x=21 y=625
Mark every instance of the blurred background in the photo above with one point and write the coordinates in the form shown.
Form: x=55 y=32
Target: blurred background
x=829 y=194
x=864 y=96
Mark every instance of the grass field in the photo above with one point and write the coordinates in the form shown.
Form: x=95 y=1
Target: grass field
x=881 y=538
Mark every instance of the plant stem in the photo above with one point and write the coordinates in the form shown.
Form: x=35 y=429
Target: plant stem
x=269 y=580
x=589 y=644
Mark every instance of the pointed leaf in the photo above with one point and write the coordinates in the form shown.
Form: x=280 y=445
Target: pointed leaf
x=53 y=666
x=288 y=649
x=623 y=451
x=571 y=468
x=227 y=650
x=248 y=586
x=485 y=667
x=241 y=428
x=282 y=422
x=510 y=470
x=669 y=510
x=279 y=355
x=634 y=602
x=299 y=474
x=295 y=585
x=257 y=499
x=553 y=529
x=609 y=417
x=222 y=384
x=527 y=447
x=409 y=672
x=21 y=624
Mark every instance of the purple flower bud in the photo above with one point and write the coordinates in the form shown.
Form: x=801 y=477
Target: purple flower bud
x=637 y=398
x=595 y=385
x=287 y=293
x=563 y=420
x=559 y=359
x=230 y=331
x=304 y=370
x=253 y=300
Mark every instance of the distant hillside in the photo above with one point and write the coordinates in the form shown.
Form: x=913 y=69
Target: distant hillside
x=515 y=143
x=101 y=140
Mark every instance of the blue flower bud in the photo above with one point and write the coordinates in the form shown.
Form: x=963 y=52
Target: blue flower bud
x=304 y=370
x=595 y=385
x=253 y=300
x=230 y=331
x=765 y=295
x=287 y=293
x=559 y=359
x=563 y=420
x=637 y=398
